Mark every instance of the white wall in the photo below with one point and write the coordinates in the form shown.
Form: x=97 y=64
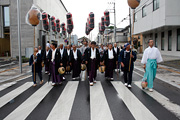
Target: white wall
x=52 y=7
x=152 y=20
x=172 y=12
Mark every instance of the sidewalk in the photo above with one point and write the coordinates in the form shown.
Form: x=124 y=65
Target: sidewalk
x=10 y=72
x=168 y=71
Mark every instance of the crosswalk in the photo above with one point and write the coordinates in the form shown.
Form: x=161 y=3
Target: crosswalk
x=99 y=106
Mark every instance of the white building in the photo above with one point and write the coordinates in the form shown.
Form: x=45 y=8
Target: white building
x=74 y=39
x=159 y=20
x=121 y=36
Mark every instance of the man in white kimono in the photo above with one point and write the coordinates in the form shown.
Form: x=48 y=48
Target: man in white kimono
x=150 y=59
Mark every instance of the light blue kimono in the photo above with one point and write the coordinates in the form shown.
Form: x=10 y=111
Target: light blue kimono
x=150 y=74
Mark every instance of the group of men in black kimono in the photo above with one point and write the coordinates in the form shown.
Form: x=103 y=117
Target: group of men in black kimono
x=89 y=54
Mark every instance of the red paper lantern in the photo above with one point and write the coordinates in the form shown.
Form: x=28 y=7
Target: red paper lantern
x=58 y=25
x=69 y=23
x=87 y=31
x=45 y=21
x=91 y=20
x=107 y=19
x=63 y=29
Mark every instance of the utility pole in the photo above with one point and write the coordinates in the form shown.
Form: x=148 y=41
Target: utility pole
x=114 y=11
x=19 y=33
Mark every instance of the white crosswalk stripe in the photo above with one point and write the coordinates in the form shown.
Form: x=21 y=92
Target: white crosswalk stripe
x=63 y=106
x=4 y=86
x=21 y=112
x=174 y=108
x=98 y=104
x=133 y=103
x=11 y=95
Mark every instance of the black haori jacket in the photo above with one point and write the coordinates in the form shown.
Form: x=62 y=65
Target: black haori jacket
x=79 y=56
x=68 y=56
x=48 y=57
x=105 y=57
x=57 y=61
x=88 y=55
x=118 y=52
x=38 y=66
x=64 y=59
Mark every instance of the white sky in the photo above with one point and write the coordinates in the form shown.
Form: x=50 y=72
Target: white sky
x=80 y=10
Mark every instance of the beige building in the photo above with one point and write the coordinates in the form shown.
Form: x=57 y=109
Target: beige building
x=8 y=25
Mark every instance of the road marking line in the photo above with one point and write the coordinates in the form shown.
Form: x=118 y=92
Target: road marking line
x=6 y=85
x=138 y=110
x=13 y=68
x=21 y=112
x=164 y=101
x=12 y=63
x=98 y=104
x=11 y=95
x=63 y=106
x=170 y=70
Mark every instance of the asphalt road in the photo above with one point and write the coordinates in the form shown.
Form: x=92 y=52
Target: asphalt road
x=76 y=100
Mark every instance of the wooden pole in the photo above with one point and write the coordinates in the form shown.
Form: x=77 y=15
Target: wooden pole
x=131 y=42
x=70 y=38
x=34 y=55
x=49 y=38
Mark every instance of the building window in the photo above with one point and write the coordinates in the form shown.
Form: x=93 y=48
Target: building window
x=155 y=4
x=169 y=40
x=162 y=41
x=135 y=17
x=178 y=39
x=6 y=16
x=151 y=35
x=144 y=11
x=156 y=40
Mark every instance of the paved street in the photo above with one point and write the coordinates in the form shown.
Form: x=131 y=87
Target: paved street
x=76 y=100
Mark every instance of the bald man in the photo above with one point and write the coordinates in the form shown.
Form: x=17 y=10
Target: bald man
x=110 y=61
x=35 y=60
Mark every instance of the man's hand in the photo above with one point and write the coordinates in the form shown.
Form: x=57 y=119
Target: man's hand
x=70 y=64
x=86 y=62
x=34 y=54
x=144 y=66
x=132 y=56
x=122 y=64
x=61 y=64
x=33 y=63
x=116 y=62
